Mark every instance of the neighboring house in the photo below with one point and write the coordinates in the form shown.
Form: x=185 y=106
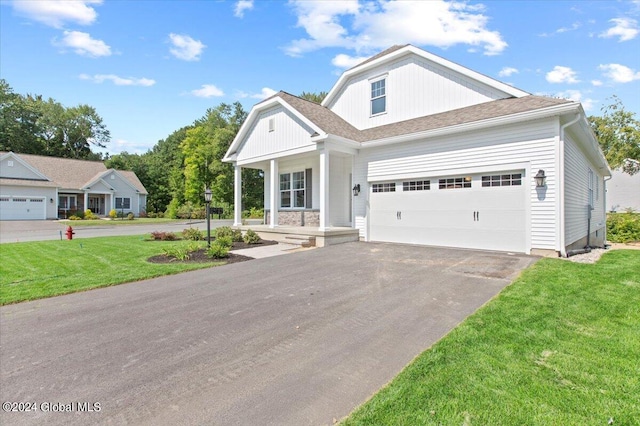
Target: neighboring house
x=37 y=187
x=409 y=147
x=623 y=191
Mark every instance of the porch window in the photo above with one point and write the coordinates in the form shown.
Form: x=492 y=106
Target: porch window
x=293 y=190
x=67 y=202
x=123 y=203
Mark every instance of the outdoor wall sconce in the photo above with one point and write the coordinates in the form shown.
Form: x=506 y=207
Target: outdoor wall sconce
x=51 y=200
x=356 y=190
x=541 y=179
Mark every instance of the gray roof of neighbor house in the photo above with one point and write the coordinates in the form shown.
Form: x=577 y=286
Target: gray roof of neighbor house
x=331 y=123
x=68 y=173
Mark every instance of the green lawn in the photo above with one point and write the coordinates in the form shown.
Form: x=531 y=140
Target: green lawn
x=125 y=221
x=560 y=346
x=40 y=269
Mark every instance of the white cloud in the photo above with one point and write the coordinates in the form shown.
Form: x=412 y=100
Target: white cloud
x=186 y=48
x=624 y=28
x=83 y=44
x=118 y=81
x=346 y=61
x=619 y=73
x=55 y=13
x=207 y=91
x=561 y=74
x=576 y=96
x=264 y=93
x=378 y=25
x=508 y=72
x=241 y=6
x=596 y=83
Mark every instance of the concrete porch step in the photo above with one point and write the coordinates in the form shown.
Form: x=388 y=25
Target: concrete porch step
x=300 y=240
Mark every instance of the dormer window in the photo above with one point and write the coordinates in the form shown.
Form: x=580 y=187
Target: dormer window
x=378 y=96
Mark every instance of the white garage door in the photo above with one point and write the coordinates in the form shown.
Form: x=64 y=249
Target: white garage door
x=22 y=208
x=478 y=211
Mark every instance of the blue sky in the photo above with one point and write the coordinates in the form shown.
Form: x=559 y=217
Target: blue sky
x=151 y=67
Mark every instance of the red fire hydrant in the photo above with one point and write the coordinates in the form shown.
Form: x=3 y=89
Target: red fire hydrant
x=69 y=233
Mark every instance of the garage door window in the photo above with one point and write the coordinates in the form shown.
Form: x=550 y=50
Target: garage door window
x=514 y=179
x=455 y=183
x=416 y=185
x=384 y=187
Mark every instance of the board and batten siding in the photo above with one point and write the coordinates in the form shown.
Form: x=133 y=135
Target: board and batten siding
x=289 y=132
x=532 y=143
x=415 y=87
x=576 y=192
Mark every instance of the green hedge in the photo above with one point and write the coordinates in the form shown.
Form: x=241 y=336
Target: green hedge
x=623 y=227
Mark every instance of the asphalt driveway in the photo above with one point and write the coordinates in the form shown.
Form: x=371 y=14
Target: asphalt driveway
x=300 y=339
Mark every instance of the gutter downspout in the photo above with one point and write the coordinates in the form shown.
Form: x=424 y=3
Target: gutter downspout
x=604 y=201
x=563 y=251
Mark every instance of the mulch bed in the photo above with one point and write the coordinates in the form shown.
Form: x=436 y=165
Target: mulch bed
x=200 y=256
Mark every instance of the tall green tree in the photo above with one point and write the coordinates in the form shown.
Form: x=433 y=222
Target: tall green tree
x=618 y=132
x=314 y=97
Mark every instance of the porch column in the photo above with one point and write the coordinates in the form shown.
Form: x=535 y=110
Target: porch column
x=86 y=201
x=273 y=194
x=324 y=190
x=237 y=195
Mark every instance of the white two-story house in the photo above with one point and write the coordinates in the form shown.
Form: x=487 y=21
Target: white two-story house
x=409 y=147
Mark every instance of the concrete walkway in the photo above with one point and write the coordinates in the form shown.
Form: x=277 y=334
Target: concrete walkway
x=301 y=339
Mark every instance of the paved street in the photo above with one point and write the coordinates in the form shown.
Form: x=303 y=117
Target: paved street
x=300 y=339
x=40 y=230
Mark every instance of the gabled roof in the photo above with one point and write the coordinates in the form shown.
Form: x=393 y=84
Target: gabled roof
x=396 y=52
x=67 y=173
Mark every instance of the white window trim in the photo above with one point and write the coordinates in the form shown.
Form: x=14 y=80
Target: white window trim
x=371 y=98
x=293 y=190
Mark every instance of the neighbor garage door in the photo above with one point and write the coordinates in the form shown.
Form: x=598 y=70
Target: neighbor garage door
x=22 y=208
x=486 y=211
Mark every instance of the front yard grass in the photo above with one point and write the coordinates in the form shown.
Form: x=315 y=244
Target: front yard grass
x=34 y=270
x=560 y=346
x=124 y=221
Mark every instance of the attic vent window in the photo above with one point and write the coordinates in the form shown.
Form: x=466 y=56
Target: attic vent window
x=112 y=177
x=272 y=124
x=10 y=163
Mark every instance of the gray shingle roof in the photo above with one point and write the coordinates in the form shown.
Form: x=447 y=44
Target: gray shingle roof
x=68 y=173
x=332 y=124
x=381 y=54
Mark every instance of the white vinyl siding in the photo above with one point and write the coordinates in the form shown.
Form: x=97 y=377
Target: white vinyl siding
x=289 y=133
x=577 y=190
x=531 y=142
x=439 y=90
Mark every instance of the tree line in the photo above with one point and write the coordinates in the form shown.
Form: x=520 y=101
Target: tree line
x=178 y=168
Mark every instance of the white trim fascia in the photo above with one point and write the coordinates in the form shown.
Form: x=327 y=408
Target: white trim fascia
x=446 y=172
x=476 y=125
x=491 y=82
x=348 y=143
x=336 y=146
x=25 y=164
x=277 y=100
x=279 y=154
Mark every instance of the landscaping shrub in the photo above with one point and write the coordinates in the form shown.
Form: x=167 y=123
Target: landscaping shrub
x=130 y=216
x=113 y=213
x=225 y=241
x=160 y=215
x=172 y=210
x=227 y=231
x=152 y=215
x=74 y=217
x=193 y=234
x=623 y=227
x=142 y=214
x=88 y=215
x=163 y=236
x=250 y=237
x=179 y=252
x=253 y=213
x=218 y=250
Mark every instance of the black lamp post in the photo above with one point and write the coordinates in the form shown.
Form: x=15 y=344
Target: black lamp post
x=207 y=200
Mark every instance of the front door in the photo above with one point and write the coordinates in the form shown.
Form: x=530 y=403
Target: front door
x=96 y=204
